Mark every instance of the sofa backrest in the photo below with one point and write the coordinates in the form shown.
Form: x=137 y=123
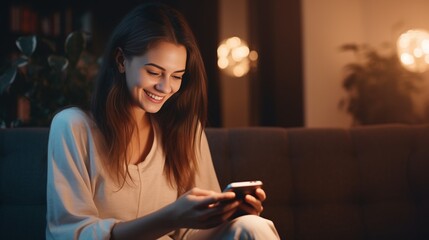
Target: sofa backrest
x=23 y=183
x=359 y=183
x=329 y=183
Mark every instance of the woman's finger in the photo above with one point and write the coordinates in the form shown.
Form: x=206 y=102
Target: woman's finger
x=252 y=205
x=260 y=194
x=212 y=198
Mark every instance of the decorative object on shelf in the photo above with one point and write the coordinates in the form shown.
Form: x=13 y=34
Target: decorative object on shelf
x=41 y=81
x=413 y=50
x=379 y=89
x=235 y=57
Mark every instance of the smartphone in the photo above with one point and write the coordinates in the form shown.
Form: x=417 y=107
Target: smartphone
x=243 y=188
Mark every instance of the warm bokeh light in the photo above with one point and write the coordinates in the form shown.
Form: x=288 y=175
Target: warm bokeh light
x=253 y=55
x=235 y=57
x=222 y=62
x=222 y=50
x=413 y=50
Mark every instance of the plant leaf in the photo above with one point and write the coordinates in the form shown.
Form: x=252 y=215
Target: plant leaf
x=349 y=47
x=49 y=44
x=21 y=61
x=27 y=45
x=58 y=63
x=7 y=78
x=74 y=45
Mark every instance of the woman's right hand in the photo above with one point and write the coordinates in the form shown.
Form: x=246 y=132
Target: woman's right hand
x=202 y=209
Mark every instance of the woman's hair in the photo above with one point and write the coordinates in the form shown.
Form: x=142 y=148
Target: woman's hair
x=179 y=119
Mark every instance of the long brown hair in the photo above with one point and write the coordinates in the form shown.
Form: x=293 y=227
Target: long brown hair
x=180 y=118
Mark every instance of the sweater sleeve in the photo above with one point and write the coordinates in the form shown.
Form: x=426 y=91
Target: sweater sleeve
x=71 y=212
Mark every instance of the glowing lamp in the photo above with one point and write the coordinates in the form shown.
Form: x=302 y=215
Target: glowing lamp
x=235 y=57
x=413 y=50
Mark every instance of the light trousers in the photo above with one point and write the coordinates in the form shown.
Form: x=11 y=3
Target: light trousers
x=247 y=227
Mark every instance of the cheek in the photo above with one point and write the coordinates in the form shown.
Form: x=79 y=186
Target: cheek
x=135 y=81
x=176 y=86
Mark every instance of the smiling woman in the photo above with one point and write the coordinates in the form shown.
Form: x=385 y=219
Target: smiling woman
x=138 y=165
x=155 y=76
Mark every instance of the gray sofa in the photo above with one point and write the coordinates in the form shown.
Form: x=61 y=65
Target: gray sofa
x=322 y=183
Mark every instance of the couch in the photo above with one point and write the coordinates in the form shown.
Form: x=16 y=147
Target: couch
x=367 y=182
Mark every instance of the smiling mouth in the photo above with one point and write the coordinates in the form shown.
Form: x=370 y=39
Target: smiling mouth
x=153 y=96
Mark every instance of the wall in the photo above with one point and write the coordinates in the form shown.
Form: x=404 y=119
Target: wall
x=272 y=94
x=234 y=91
x=329 y=24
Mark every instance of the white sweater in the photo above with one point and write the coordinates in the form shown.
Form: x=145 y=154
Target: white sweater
x=83 y=202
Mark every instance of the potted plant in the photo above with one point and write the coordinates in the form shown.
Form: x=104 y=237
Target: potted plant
x=39 y=81
x=379 y=89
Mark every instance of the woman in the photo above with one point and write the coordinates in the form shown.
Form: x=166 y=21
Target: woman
x=138 y=165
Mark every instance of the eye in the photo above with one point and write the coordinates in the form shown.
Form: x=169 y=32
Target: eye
x=153 y=73
x=177 y=77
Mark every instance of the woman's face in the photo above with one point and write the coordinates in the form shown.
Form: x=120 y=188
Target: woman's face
x=155 y=76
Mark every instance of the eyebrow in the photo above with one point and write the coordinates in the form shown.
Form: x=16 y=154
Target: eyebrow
x=163 y=69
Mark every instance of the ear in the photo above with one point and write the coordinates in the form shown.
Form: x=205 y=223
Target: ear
x=119 y=59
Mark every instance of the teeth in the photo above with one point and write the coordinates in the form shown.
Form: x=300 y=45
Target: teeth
x=158 y=98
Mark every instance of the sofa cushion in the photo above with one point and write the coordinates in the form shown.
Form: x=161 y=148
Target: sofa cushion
x=23 y=182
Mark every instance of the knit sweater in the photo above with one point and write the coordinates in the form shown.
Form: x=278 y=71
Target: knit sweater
x=83 y=202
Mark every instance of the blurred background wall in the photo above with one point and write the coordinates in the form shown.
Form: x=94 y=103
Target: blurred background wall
x=329 y=24
x=297 y=78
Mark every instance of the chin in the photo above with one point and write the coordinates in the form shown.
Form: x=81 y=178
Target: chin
x=150 y=109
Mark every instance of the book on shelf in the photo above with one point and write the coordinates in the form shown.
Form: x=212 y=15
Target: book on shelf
x=26 y=20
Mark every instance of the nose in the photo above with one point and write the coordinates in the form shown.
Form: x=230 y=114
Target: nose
x=164 y=85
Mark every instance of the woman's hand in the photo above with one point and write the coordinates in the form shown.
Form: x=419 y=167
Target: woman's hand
x=202 y=209
x=199 y=209
x=253 y=204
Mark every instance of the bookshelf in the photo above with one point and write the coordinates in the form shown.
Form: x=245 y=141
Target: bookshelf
x=25 y=19
x=49 y=19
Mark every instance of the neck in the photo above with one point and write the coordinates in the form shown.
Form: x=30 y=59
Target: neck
x=141 y=118
x=142 y=138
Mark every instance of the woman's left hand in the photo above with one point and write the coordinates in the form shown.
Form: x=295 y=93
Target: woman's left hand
x=253 y=204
